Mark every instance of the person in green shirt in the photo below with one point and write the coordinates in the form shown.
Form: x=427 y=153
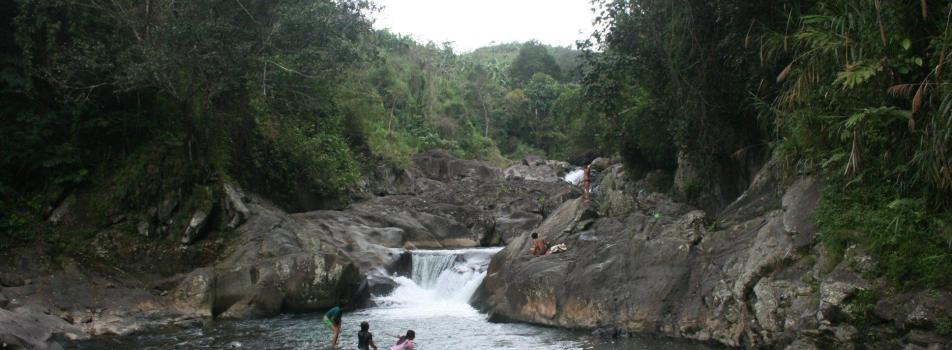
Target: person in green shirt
x=332 y=319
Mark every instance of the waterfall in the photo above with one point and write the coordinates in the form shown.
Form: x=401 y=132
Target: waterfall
x=440 y=280
x=575 y=176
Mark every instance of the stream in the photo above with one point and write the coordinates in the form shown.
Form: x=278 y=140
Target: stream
x=433 y=301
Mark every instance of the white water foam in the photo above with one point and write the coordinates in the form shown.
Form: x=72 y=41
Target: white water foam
x=575 y=176
x=440 y=284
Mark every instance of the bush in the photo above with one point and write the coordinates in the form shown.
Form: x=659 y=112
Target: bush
x=909 y=239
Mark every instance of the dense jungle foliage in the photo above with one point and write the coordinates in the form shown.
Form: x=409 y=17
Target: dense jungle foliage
x=854 y=90
x=129 y=101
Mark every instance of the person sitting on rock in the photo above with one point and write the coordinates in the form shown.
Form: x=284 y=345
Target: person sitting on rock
x=539 y=246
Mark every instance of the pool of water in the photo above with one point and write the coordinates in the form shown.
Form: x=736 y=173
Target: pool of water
x=432 y=301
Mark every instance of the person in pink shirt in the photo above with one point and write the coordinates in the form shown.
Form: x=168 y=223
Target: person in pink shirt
x=405 y=342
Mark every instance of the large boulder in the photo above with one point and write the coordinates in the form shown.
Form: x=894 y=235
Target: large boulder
x=739 y=279
x=25 y=328
x=275 y=265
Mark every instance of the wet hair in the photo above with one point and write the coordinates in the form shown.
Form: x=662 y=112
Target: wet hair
x=535 y=235
x=410 y=336
x=364 y=326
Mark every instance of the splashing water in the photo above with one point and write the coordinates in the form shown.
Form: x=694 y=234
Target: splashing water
x=432 y=300
x=575 y=176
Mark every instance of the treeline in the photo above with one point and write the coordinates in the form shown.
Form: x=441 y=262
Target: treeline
x=496 y=103
x=854 y=90
x=132 y=103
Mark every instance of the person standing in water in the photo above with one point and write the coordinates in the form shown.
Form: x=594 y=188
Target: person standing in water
x=405 y=342
x=365 y=339
x=332 y=319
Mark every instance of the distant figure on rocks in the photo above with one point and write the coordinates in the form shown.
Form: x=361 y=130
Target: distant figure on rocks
x=332 y=319
x=405 y=342
x=365 y=339
x=586 y=183
x=539 y=246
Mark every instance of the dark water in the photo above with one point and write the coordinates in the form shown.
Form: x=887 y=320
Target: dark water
x=432 y=302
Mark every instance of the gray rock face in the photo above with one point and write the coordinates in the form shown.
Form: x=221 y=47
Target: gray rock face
x=534 y=168
x=438 y=165
x=25 y=328
x=195 y=225
x=740 y=279
x=615 y=195
x=233 y=203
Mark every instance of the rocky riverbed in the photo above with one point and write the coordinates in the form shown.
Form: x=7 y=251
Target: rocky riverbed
x=277 y=262
x=752 y=275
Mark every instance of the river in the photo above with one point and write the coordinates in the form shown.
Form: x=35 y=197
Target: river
x=432 y=301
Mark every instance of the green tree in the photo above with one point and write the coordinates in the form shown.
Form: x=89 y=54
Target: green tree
x=533 y=58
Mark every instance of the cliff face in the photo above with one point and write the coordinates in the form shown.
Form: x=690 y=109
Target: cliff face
x=754 y=276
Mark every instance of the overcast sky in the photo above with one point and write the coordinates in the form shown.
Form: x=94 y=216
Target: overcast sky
x=471 y=24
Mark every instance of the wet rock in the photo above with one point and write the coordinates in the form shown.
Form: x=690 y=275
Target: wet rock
x=600 y=164
x=609 y=333
x=29 y=329
x=4 y=301
x=194 y=294
x=195 y=225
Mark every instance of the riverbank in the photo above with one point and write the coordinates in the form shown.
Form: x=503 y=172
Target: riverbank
x=273 y=261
